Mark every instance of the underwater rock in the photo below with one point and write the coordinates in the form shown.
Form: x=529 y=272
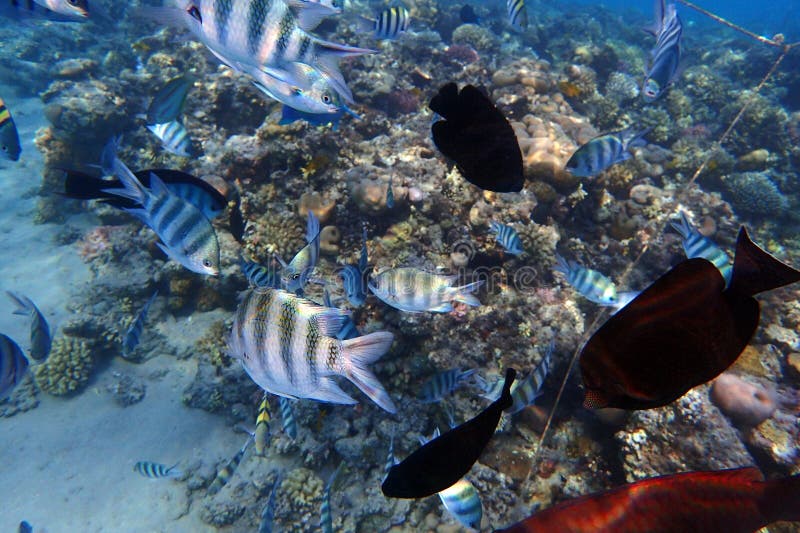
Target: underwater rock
x=755 y=160
x=314 y=202
x=67 y=369
x=745 y=403
x=478 y=37
x=679 y=437
x=754 y=193
x=621 y=87
x=23 y=398
x=126 y=389
x=329 y=238
x=221 y=513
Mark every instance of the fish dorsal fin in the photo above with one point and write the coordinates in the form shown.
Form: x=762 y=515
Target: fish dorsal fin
x=755 y=271
x=309 y=14
x=748 y=473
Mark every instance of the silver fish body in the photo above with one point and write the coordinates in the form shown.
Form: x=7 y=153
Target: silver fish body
x=13 y=365
x=226 y=472
x=507 y=237
x=697 y=245
x=187 y=235
x=517 y=14
x=592 y=285
x=304 y=89
x=443 y=384
x=389 y=23
x=287 y=417
x=463 y=502
x=174 y=137
x=414 y=291
x=666 y=56
x=9 y=137
x=54 y=10
x=295 y=275
x=268 y=513
x=260 y=276
x=156 y=470
x=287 y=345
x=41 y=339
x=134 y=332
x=604 y=151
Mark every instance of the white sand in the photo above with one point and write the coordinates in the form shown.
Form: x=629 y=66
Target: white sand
x=68 y=464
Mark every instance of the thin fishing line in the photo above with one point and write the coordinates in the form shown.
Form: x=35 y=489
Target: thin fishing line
x=785 y=49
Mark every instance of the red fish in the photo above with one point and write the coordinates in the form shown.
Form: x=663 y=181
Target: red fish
x=682 y=331
x=729 y=501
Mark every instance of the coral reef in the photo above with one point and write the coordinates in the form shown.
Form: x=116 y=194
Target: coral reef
x=754 y=194
x=126 y=389
x=68 y=368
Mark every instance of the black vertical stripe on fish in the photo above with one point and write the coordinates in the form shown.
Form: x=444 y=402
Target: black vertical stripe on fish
x=312 y=341
x=170 y=213
x=255 y=24
x=286 y=323
x=441 y=462
x=287 y=25
x=155 y=470
x=13 y=365
x=225 y=474
x=222 y=13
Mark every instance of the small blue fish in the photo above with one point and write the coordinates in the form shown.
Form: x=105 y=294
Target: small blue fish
x=326 y=518
x=443 y=384
x=131 y=339
x=390 y=194
x=462 y=501
x=593 y=285
x=174 y=137
x=389 y=23
x=507 y=237
x=287 y=417
x=260 y=276
x=517 y=14
x=167 y=104
x=268 y=513
x=156 y=470
x=13 y=365
x=354 y=284
x=9 y=137
x=697 y=245
x=605 y=151
x=665 y=58
x=225 y=474
x=290 y=115
x=296 y=274
x=41 y=340
x=25 y=527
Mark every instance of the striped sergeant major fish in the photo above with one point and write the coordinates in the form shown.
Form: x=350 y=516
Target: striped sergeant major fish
x=665 y=58
x=443 y=384
x=507 y=237
x=134 y=332
x=460 y=499
x=268 y=513
x=226 y=472
x=354 y=281
x=187 y=235
x=260 y=276
x=287 y=345
x=389 y=23
x=156 y=470
x=414 y=291
x=697 y=245
x=287 y=417
x=604 y=151
x=295 y=275
x=174 y=137
x=348 y=330
x=55 y=10
x=9 y=137
x=167 y=104
x=41 y=339
x=13 y=365
x=391 y=460
x=263 y=34
x=517 y=14
x=326 y=517
x=523 y=392
x=592 y=285
x=261 y=434
x=305 y=93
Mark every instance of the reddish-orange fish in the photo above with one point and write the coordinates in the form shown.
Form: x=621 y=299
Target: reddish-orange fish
x=682 y=331
x=727 y=501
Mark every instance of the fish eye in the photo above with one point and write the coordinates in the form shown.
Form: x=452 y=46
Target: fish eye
x=206 y=263
x=5 y=148
x=296 y=276
x=195 y=14
x=326 y=98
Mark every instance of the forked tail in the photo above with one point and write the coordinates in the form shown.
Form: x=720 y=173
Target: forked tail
x=755 y=271
x=360 y=352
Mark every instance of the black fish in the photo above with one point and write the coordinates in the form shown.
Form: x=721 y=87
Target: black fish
x=194 y=190
x=444 y=460
x=682 y=331
x=478 y=137
x=468 y=15
x=13 y=365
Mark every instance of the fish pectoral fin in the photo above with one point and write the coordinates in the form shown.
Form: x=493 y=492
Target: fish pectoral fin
x=329 y=391
x=330 y=321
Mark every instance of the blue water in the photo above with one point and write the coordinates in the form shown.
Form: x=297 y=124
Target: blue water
x=395 y=211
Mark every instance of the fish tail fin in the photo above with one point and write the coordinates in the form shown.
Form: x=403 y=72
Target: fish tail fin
x=171 y=16
x=632 y=137
x=755 y=271
x=173 y=472
x=24 y=304
x=360 y=352
x=133 y=188
x=464 y=294
x=562 y=265
x=505 y=399
x=684 y=227
x=780 y=500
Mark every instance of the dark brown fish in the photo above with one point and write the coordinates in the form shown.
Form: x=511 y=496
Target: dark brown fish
x=444 y=460
x=729 y=501
x=682 y=331
x=477 y=136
